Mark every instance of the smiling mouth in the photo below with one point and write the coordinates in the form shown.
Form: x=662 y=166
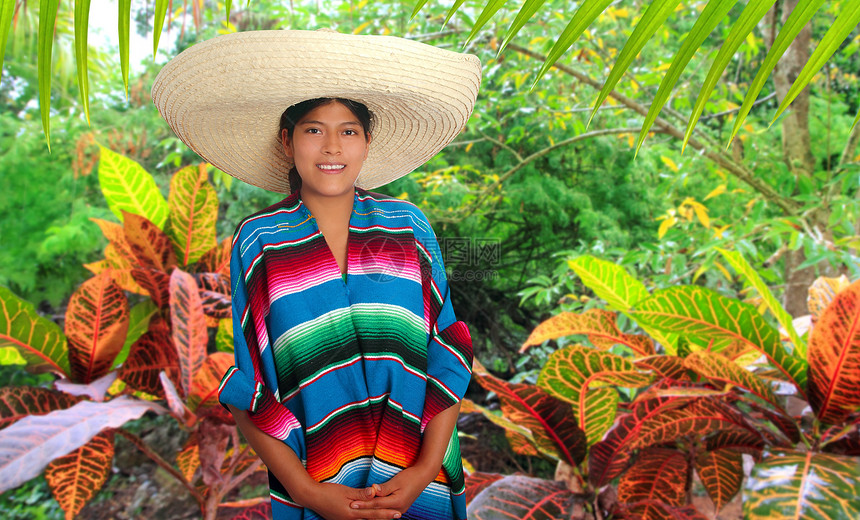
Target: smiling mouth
x=331 y=167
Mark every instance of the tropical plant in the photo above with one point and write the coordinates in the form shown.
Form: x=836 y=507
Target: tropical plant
x=706 y=380
x=114 y=361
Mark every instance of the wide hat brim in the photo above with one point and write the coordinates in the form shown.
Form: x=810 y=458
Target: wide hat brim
x=223 y=98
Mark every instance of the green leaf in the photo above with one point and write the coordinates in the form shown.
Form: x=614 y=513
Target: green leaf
x=847 y=21
x=82 y=18
x=812 y=486
x=739 y=263
x=714 y=12
x=856 y=119
x=528 y=10
x=709 y=317
x=47 y=20
x=655 y=15
x=587 y=12
x=193 y=206
x=718 y=368
x=488 y=12
x=11 y=356
x=39 y=340
x=748 y=19
x=621 y=291
x=224 y=335
x=798 y=19
x=124 y=36
x=228 y=6
x=127 y=186
x=418 y=6
x=453 y=10
x=7 y=11
x=138 y=324
x=158 y=23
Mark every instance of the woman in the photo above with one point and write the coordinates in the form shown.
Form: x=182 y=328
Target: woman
x=350 y=364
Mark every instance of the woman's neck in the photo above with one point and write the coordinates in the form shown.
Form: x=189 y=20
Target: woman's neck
x=329 y=211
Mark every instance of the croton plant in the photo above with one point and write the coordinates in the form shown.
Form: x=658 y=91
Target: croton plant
x=635 y=430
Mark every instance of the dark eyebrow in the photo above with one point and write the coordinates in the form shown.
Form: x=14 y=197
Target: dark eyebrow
x=314 y=122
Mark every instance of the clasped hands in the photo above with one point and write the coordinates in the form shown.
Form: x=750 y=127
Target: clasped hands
x=379 y=502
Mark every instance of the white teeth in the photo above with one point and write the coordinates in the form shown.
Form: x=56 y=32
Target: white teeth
x=331 y=166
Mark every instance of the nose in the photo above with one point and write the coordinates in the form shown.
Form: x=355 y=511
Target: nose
x=331 y=144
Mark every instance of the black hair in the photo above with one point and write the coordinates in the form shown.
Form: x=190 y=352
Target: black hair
x=295 y=113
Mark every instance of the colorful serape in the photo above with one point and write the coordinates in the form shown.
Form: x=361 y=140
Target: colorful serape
x=348 y=372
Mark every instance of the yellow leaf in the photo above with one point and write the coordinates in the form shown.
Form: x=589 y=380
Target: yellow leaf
x=630 y=140
x=403 y=196
x=663 y=66
x=702 y=215
x=749 y=128
x=719 y=190
x=699 y=272
x=723 y=270
x=622 y=13
x=361 y=27
x=718 y=232
x=669 y=163
x=751 y=203
x=469 y=147
x=665 y=225
x=721 y=173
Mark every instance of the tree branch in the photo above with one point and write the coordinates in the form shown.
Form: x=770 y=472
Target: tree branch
x=719 y=157
x=166 y=466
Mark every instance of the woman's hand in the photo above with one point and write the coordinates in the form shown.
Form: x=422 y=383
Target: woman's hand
x=333 y=502
x=398 y=493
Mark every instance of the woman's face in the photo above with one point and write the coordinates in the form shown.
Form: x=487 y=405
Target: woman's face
x=328 y=147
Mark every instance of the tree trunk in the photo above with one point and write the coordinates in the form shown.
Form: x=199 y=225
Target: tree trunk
x=797 y=154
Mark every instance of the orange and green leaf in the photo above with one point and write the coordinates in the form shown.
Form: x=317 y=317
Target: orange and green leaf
x=722 y=473
x=812 y=486
x=17 y=402
x=152 y=353
x=188 y=458
x=149 y=244
x=96 y=324
x=700 y=417
x=524 y=498
x=193 y=208
x=658 y=474
x=128 y=188
x=708 y=317
x=834 y=358
x=519 y=437
x=599 y=325
x=821 y=293
x=668 y=367
x=550 y=420
x=188 y=326
x=75 y=478
x=736 y=439
x=39 y=341
x=217 y=259
x=204 y=388
x=718 y=368
x=580 y=376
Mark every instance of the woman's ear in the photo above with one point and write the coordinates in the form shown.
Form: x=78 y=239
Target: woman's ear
x=287 y=143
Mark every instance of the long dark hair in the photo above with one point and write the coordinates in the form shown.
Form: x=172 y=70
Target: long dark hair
x=295 y=113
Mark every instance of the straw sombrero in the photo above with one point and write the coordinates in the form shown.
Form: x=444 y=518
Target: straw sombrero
x=223 y=97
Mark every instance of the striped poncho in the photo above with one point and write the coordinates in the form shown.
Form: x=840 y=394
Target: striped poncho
x=348 y=371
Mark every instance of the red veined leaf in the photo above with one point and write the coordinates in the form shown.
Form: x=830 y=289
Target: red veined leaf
x=151 y=354
x=204 y=388
x=834 y=358
x=671 y=367
x=848 y=443
x=736 y=439
x=609 y=457
x=658 y=474
x=156 y=283
x=721 y=472
x=150 y=246
x=812 y=486
x=262 y=511
x=718 y=368
x=193 y=207
x=97 y=390
x=524 y=498
x=96 y=324
x=213 y=449
x=519 y=437
x=188 y=326
x=27 y=446
x=214 y=282
x=656 y=510
x=477 y=482
x=39 y=341
x=550 y=420
x=75 y=478
x=217 y=259
x=215 y=294
x=821 y=293
x=17 y=402
x=706 y=316
x=700 y=418
x=599 y=325
x=521 y=445
x=177 y=406
x=783 y=422
x=188 y=458
x=579 y=376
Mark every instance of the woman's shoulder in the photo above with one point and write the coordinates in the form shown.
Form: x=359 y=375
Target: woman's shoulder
x=278 y=213
x=392 y=209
